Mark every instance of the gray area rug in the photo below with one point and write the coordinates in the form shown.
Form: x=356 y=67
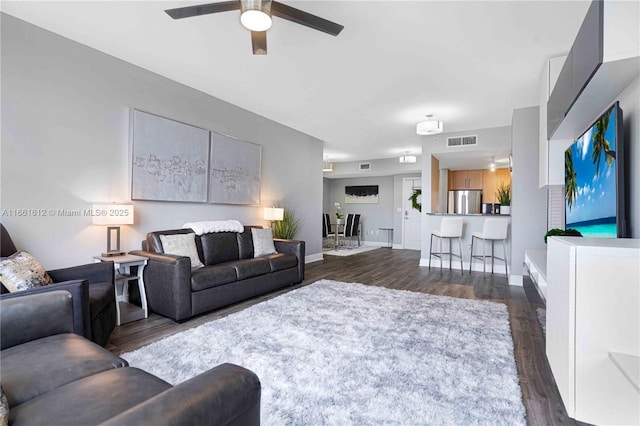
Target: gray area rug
x=542 y=319
x=350 y=354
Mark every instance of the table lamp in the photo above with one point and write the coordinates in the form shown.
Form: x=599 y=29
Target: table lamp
x=113 y=214
x=273 y=214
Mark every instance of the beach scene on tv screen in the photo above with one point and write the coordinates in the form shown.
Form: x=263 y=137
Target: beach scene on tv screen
x=590 y=180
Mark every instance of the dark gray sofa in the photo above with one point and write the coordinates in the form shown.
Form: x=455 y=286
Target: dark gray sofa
x=51 y=375
x=231 y=273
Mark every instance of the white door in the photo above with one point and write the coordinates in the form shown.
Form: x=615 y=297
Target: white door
x=411 y=220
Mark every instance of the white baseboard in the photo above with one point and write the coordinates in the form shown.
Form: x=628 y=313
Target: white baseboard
x=313 y=258
x=371 y=243
x=515 y=280
x=397 y=246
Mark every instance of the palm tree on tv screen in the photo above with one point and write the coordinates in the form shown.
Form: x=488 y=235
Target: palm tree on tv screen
x=571 y=184
x=601 y=144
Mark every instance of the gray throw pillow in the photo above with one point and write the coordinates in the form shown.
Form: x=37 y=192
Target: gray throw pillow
x=262 y=242
x=182 y=245
x=21 y=271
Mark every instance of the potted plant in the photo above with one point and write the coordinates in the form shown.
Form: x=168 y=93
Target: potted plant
x=504 y=197
x=562 y=232
x=287 y=228
x=339 y=216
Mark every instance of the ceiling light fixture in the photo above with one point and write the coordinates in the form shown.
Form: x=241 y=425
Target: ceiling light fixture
x=327 y=166
x=408 y=158
x=256 y=14
x=430 y=126
x=492 y=165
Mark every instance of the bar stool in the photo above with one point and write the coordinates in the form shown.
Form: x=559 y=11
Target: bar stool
x=492 y=230
x=450 y=227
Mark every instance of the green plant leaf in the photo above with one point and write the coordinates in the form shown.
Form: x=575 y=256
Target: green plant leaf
x=503 y=194
x=414 y=199
x=288 y=227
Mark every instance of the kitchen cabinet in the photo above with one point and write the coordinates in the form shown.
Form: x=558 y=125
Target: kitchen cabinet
x=466 y=179
x=491 y=181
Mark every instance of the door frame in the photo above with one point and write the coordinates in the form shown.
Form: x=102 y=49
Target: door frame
x=406 y=196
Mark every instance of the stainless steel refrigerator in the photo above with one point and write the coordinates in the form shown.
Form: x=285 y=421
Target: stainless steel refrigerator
x=464 y=201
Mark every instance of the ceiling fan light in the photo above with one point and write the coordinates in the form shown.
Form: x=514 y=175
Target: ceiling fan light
x=255 y=20
x=429 y=127
x=256 y=14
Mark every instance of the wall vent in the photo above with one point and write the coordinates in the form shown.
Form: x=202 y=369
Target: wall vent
x=462 y=141
x=365 y=166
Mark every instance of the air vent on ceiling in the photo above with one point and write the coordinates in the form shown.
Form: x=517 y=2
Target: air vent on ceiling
x=365 y=166
x=462 y=141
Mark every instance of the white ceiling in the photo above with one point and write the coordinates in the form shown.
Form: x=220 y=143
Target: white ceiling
x=470 y=63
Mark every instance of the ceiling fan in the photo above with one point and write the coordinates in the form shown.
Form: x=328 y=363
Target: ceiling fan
x=256 y=16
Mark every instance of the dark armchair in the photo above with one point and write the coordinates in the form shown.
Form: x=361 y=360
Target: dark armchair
x=92 y=290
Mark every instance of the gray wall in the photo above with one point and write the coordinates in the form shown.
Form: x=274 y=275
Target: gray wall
x=373 y=216
x=65 y=123
x=529 y=203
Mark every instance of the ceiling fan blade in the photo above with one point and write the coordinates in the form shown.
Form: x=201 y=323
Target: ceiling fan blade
x=203 y=9
x=303 y=18
x=259 y=42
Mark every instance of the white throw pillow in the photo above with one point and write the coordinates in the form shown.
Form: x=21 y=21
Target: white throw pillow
x=21 y=271
x=182 y=245
x=262 y=242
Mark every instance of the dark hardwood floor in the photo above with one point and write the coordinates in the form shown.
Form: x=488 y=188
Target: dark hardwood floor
x=399 y=269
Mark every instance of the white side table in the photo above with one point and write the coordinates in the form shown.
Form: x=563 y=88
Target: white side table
x=126 y=311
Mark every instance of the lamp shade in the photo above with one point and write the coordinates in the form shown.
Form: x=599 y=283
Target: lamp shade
x=273 y=213
x=408 y=159
x=112 y=214
x=429 y=127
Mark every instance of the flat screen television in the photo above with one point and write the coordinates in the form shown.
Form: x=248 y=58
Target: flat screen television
x=594 y=179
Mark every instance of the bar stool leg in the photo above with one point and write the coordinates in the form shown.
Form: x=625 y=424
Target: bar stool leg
x=440 y=254
x=492 y=256
x=484 y=257
x=471 y=257
x=430 y=245
x=506 y=262
x=450 y=260
x=460 y=246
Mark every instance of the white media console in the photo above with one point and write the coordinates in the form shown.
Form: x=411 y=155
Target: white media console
x=593 y=327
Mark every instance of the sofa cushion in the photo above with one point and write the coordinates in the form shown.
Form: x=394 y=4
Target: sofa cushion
x=248 y=268
x=245 y=243
x=219 y=247
x=281 y=261
x=212 y=276
x=38 y=366
x=91 y=400
x=182 y=245
x=100 y=295
x=21 y=271
x=262 y=242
